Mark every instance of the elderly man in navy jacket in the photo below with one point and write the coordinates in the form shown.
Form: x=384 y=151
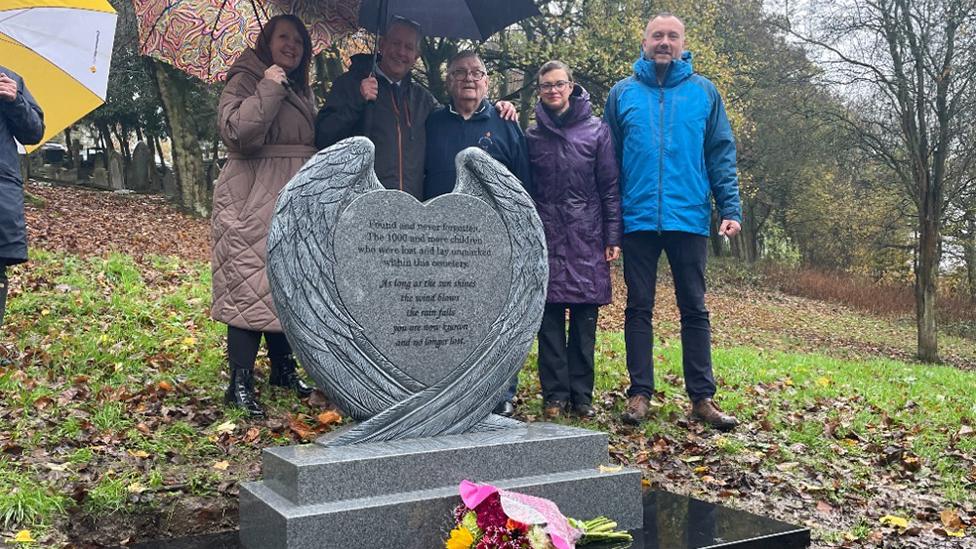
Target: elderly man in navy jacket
x=471 y=121
x=20 y=119
x=676 y=152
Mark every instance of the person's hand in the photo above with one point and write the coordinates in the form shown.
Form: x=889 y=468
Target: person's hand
x=369 y=88
x=507 y=111
x=8 y=88
x=276 y=74
x=612 y=252
x=729 y=228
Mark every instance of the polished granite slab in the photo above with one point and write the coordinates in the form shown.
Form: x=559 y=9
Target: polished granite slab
x=670 y=522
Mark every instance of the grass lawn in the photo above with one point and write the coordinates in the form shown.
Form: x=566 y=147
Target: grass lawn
x=112 y=374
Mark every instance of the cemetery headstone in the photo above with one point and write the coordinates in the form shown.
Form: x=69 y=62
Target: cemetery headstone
x=139 y=171
x=116 y=171
x=412 y=318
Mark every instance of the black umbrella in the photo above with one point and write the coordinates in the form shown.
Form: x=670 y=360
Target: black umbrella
x=471 y=19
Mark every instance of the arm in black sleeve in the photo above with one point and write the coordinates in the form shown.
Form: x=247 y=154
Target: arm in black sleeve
x=24 y=117
x=342 y=112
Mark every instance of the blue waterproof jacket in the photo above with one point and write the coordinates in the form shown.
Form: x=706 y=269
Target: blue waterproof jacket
x=675 y=148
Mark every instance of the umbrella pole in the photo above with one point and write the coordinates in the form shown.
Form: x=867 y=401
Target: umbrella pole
x=371 y=105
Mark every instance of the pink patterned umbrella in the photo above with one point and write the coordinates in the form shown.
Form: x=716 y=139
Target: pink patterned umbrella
x=204 y=37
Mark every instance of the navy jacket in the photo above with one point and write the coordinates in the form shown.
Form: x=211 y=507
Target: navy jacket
x=574 y=170
x=675 y=149
x=23 y=120
x=448 y=134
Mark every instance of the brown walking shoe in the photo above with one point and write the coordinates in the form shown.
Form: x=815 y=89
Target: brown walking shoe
x=706 y=411
x=553 y=409
x=636 y=412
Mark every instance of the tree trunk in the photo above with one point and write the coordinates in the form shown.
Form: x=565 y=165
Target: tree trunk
x=159 y=149
x=926 y=278
x=70 y=144
x=187 y=154
x=969 y=252
x=718 y=247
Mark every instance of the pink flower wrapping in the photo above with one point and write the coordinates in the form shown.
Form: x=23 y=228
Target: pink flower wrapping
x=525 y=509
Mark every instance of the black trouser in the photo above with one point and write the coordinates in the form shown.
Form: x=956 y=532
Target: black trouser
x=242 y=347
x=686 y=253
x=3 y=291
x=566 y=369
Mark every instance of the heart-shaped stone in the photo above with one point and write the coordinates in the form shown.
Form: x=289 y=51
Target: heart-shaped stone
x=425 y=281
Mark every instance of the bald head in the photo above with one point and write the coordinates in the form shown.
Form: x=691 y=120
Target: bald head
x=664 y=39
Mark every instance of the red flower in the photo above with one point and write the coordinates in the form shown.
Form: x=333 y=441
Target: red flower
x=490 y=512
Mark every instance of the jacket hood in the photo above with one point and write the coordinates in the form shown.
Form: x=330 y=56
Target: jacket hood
x=678 y=72
x=580 y=108
x=248 y=62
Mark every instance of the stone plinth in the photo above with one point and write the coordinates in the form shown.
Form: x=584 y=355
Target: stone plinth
x=400 y=494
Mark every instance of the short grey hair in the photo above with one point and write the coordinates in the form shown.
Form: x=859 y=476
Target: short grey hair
x=465 y=54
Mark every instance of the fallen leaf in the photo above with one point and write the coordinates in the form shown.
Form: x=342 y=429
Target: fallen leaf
x=824 y=507
x=952 y=523
x=188 y=341
x=136 y=488
x=610 y=468
x=252 y=434
x=164 y=386
x=226 y=427
x=141 y=454
x=329 y=417
x=221 y=465
x=892 y=520
x=24 y=536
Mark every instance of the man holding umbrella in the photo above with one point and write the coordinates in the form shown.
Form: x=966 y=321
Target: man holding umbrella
x=400 y=108
x=23 y=120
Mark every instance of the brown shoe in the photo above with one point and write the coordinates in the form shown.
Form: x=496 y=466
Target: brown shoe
x=553 y=409
x=706 y=411
x=636 y=412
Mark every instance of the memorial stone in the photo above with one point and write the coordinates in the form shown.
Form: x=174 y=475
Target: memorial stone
x=170 y=189
x=99 y=177
x=138 y=173
x=412 y=318
x=116 y=171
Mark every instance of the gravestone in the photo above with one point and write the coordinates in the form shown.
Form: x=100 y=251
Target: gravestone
x=24 y=167
x=116 y=171
x=170 y=189
x=138 y=173
x=99 y=177
x=412 y=318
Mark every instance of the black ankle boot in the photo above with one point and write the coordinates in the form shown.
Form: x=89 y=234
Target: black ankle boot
x=283 y=374
x=240 y=393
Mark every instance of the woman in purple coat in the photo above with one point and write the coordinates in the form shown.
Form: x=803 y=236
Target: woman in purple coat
x=575 y=172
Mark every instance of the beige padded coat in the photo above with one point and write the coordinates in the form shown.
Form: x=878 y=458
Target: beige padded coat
x=269 y=132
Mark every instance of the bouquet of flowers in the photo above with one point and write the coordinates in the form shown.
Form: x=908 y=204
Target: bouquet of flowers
x=490 y=518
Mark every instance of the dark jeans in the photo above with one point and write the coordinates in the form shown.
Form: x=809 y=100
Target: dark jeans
x=566 y=369
x=242 y=346
x=686 y=253
x=3 y=291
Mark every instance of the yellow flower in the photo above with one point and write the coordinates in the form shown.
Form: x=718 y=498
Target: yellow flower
x=460 y=538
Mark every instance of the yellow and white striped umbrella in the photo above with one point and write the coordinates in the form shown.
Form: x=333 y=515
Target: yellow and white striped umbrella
x=62 y=49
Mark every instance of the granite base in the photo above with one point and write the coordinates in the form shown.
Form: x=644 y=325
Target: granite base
x=670 y=522
x=400 y=494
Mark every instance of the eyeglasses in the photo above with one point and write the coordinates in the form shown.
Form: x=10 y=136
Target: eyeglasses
x=461 y=74
x=559 y=85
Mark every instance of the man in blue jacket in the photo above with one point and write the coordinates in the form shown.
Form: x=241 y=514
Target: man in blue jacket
x=676 y=151
x=20 y=119
x=469 y=120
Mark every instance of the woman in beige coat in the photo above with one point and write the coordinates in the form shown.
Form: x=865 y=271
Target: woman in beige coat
x=266 y=119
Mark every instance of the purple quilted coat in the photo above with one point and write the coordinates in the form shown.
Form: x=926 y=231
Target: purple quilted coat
x=575 y=172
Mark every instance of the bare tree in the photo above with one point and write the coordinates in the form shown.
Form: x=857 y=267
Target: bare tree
x=914 y=61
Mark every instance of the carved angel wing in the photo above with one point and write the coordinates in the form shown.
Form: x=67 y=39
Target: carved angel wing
x=301 y=267
x=463 y=400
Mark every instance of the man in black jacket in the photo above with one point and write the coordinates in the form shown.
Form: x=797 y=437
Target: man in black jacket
x=399 y=112
x=23 y=120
